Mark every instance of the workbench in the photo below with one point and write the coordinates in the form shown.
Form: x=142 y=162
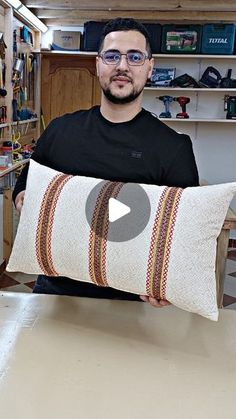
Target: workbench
x=71 y=358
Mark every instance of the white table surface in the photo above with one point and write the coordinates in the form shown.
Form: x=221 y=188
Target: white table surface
x=72 y=358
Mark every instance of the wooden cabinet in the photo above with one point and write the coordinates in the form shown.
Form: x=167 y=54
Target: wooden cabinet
x=69 y=83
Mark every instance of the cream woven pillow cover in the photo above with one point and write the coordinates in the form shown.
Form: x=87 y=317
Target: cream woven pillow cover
x=173 y=258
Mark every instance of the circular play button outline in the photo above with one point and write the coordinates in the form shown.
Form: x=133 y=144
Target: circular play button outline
x=126 y=226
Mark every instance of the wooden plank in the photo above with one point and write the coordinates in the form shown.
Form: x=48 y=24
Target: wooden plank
x=229 y=224
x=9 y=61
x=45 y=88
x=37 y=93
x=104 y=5
x=2 y=267
x=213 y=5
x=14 y=167
x=200 y=5
x=96 y=100
x=75 y=18
x=230 y=221
x=221 y=256
x=98 y=14
x=7 y=224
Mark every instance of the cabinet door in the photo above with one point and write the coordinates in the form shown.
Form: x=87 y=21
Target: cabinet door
x=69 y=83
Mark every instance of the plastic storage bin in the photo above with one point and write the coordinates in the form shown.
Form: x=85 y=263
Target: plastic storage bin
x=92 y=34
x=154 y=30
x=218 y=38
x=181 y=39
x=93 y=31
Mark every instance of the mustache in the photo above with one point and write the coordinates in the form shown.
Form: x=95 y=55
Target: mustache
x=121 y=74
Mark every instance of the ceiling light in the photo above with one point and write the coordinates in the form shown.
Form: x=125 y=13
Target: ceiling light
x=28 y=15
x=15 y=3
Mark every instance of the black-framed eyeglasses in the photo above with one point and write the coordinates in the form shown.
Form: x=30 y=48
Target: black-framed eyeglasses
x=113 y=57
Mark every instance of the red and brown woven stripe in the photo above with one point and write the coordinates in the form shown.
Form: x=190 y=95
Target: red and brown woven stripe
x=161 y=240
x=45 y=224
x=99 y=233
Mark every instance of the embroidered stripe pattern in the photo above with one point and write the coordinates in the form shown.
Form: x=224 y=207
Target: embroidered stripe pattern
x=99 y=233
x=161 y=240
x=45 y=224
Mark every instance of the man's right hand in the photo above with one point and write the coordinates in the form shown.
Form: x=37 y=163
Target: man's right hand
x=19 y=201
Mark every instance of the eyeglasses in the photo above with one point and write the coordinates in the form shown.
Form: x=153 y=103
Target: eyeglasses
x=111 y=57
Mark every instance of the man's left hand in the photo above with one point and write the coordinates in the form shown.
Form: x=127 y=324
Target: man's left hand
x=154 y=302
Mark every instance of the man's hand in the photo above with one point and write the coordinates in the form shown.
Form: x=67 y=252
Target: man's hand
x=19 y=201
x=154 y=302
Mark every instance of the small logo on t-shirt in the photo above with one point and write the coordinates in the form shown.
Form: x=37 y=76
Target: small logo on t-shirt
x=135 y=154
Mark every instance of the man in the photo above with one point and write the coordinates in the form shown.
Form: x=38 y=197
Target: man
x=99 y=142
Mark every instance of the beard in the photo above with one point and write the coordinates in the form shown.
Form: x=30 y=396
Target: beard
x=121 y=100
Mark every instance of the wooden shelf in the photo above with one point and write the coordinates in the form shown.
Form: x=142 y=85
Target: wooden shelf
x=201 y=56
x=13 y=167
x=26 y=121
x=94 y=53
x=81 y=53
x=188 y=89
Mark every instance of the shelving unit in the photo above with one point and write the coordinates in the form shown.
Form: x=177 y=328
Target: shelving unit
x=9 y=22
x=29 y=129
x=13 y=167
x=199 y=59
x=227 y=121
x=189 y=89
x=200 y=56
x=26 y=121
x=206 y=104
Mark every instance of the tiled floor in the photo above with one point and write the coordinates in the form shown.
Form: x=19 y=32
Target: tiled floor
x=19 y=282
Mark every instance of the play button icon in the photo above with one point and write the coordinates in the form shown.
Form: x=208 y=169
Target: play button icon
x=117 y=211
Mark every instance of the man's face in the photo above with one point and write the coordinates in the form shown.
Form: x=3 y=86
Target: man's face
x=122 y=83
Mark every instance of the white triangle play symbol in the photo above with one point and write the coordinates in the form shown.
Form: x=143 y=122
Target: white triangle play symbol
x=117 y=209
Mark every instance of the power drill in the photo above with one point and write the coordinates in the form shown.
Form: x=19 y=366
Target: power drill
x=182 y=100
x=167 y=101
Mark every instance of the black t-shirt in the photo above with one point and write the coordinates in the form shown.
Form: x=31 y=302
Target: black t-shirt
x=142 y=150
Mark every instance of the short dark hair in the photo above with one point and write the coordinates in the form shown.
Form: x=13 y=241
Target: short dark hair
x=125 y=24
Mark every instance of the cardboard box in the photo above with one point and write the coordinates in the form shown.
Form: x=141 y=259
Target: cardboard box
x=66 y=41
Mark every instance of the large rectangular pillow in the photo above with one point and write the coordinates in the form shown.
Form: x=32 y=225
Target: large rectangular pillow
x=173 y=258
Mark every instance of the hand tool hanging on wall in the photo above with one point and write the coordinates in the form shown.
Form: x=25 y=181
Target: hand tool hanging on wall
x=17 y=70
x=2 y=46
x=3 y=91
